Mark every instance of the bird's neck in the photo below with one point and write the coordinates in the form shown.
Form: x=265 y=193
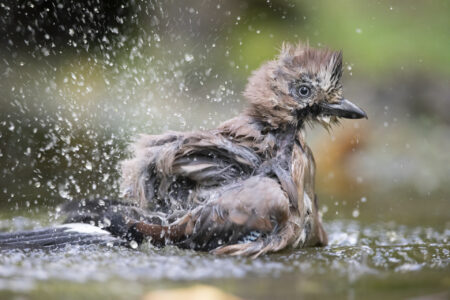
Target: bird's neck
x=287 y=138
x=262 y=136
x=271 y=115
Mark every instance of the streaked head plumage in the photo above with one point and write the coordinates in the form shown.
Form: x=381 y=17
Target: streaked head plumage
x=302 y=83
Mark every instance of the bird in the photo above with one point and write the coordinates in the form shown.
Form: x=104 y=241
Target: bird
x=243 y=188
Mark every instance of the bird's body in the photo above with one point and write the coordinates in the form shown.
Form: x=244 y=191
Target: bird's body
x=226 y=185
x=246 y=187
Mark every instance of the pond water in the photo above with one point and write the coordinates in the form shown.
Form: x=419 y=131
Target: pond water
x=362 y=261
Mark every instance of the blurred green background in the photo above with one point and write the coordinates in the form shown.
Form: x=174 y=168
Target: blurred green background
x=79 y=80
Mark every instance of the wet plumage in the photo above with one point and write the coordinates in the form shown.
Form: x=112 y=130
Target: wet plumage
x=244 y=188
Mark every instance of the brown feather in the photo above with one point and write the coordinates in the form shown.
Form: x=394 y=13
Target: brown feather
x=247 y=187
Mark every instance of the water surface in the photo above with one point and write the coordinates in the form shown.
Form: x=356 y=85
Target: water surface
x=362 y=261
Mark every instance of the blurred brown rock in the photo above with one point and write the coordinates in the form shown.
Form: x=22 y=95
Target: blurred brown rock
x=195 y=292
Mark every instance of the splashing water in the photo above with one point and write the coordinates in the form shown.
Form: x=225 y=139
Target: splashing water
x=355 y=253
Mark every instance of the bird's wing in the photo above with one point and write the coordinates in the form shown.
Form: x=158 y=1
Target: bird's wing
x=210 y=159
x=256 y=206
x=253 y=213
x=187 y=159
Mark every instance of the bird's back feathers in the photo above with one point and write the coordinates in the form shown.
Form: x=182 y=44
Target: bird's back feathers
x=169 y=169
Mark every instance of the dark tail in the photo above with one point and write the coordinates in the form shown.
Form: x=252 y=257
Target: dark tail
x=112 y=215
x=58 y=237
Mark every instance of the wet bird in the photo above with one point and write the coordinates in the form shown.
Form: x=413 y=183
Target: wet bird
x=246 y=187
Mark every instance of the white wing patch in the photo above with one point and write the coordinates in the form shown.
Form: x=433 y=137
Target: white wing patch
x=84 y=228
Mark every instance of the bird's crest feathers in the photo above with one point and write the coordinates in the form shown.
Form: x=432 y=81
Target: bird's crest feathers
x=268 y=89
x=299 y=59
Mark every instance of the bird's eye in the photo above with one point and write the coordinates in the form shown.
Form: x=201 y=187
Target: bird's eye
x=304 y=91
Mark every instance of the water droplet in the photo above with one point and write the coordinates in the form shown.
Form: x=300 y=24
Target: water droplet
x=64 y=194
x=134 y=244
x=105 y=177
x=188 y=57
x=45 y=51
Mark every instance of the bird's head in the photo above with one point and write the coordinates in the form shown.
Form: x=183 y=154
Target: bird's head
x=302 y=84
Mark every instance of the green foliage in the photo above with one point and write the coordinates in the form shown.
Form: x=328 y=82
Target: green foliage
x=378 y=37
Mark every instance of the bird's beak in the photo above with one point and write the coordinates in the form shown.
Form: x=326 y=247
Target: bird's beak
x=343 y=109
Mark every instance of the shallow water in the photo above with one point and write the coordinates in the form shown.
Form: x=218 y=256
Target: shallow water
x=379 y=259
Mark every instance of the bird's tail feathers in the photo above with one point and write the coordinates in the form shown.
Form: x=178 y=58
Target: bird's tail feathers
x=57 y=237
